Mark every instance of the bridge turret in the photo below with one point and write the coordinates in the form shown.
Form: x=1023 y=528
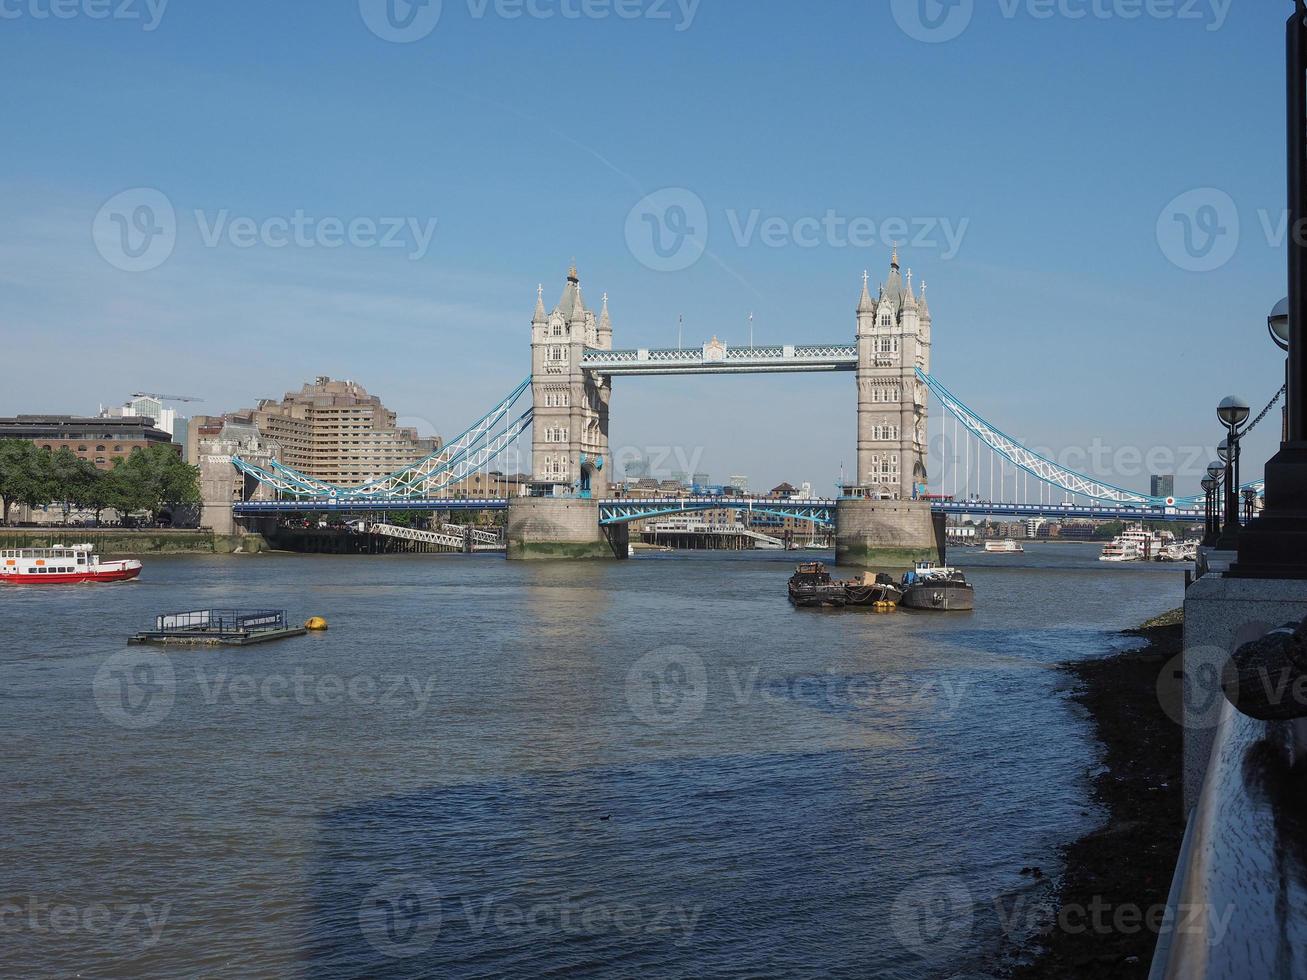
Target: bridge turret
x=540 y=320
x=570 y=427
x=604 y=337
x=892 y=341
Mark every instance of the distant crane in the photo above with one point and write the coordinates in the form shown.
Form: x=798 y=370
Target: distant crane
x=165 y=398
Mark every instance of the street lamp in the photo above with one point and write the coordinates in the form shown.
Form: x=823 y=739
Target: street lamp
x=1209 y=495
x=1275 y=544
x=1278 y=324
x=1215 y=470
x=1233 y=412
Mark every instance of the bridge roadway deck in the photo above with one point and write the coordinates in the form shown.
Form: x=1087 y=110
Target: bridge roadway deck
x=631 y=508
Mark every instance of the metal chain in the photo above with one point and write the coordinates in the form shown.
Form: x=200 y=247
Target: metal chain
x=1265 y=411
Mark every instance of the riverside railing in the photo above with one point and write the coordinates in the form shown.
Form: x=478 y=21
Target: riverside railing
x=1238 y=903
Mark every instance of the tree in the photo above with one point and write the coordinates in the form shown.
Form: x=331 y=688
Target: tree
x=153 y=478
x=25 y=475
x=71 y=478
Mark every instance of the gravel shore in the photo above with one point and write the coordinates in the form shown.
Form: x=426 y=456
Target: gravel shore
x=1124 y=868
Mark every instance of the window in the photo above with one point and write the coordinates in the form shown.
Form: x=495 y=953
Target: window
x=99 y=449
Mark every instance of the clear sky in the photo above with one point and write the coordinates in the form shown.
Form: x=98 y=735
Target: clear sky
x=1031 y=151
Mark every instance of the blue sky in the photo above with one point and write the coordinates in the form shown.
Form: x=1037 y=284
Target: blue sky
x=1051 y=147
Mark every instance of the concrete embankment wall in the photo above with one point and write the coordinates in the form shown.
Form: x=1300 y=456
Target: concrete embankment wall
x=541 y=528
x=887 y=535
x=108 y=541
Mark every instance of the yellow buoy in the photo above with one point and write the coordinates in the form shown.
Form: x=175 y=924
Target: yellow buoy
x=315 y=623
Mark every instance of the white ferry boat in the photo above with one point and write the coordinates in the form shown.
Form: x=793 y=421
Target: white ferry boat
x=1136 y=544
x=1119 y=550
x=62 y=565
x=1006 y=547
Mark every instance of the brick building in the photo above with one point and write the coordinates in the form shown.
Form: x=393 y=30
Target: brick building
x=101 y=441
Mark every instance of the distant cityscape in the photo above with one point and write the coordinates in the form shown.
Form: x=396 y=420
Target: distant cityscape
x=338 y=432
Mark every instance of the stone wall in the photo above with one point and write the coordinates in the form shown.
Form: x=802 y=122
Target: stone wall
x=1221 y=615
x=111 y=541
x=886 y=535
x=560 y=527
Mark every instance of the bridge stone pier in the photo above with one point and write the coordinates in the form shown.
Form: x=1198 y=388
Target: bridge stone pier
x=559 y=527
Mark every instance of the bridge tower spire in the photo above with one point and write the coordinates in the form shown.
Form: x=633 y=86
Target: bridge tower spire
x=569 y=431
x=893 y=336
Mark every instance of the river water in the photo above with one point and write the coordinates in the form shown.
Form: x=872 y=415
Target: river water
x=653 y=767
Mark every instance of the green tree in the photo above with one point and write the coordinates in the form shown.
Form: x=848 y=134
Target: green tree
x=71 y=479
x=26 y=475
x=154 y=478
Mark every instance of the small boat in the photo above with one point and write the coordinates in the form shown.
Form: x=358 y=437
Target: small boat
x=62 y=565
x=872 y=590
x=811 y=585
x=942 y=589
x=1005 y=547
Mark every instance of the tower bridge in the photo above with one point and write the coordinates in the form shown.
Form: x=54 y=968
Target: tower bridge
x=886 y=517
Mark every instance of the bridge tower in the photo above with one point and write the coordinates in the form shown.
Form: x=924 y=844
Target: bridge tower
x=893 y=341
x=569 y=436
x=881 y=522
x=569 y=433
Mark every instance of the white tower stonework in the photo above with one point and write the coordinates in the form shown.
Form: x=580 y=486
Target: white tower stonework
x=893 y=341
x=569 y=431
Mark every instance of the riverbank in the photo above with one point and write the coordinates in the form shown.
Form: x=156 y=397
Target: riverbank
x=1124 y=868
x=113 y=541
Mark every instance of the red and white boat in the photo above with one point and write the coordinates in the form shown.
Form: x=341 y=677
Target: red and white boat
x=62 y=565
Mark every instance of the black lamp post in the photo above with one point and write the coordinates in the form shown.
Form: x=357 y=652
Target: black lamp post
x=1277 y=325
x=1233 y=412
x=1209 y=493
x=1275 y=544
x=1215 y=472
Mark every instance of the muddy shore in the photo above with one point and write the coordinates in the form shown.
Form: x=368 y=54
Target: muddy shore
x=1124 y=868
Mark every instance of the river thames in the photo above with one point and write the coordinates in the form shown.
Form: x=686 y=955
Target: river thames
x=484 y=768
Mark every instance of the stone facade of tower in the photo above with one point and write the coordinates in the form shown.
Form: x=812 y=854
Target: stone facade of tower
x=569 y=432
x=893 y=341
